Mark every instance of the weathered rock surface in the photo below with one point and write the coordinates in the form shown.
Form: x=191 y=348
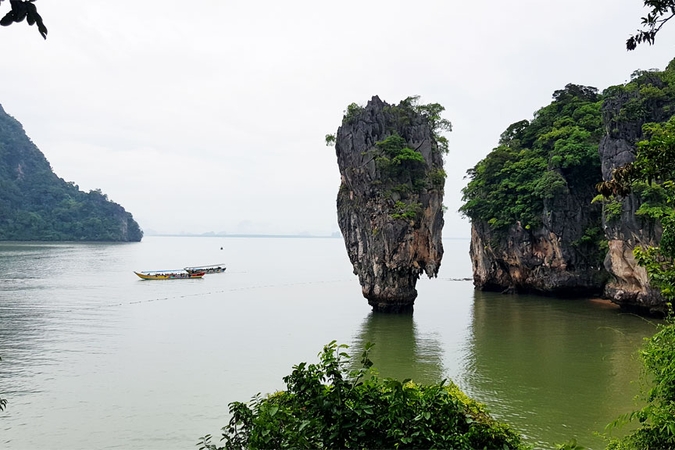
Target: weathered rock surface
x=391 y=224
x=544 y=261
x=549 y=260
x=628 y=285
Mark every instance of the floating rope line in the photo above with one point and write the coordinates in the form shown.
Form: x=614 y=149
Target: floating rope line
x=199 y=294
x=222 y=291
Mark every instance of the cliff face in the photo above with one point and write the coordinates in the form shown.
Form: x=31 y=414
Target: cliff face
x=390 y=200
x=629 y=285
x=529 y=239
x=548 y=260
x=533 y=227
x=35 y=204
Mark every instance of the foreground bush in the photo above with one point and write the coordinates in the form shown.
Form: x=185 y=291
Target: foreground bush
x=326 y=405
x=657 y=419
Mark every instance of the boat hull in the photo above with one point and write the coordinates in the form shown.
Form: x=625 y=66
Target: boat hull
x=220 y=268
x=170 y=275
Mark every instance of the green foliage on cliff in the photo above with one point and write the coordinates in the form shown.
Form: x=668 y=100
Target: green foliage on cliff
x=399 y=163
x=406 y=211
x=404 y=172
x=651 y=178
x=35 y=204
x=329 y=406
x=555 y=153
x=657 y=419
x=648 y=97
x=351 y=113
x=432 y=113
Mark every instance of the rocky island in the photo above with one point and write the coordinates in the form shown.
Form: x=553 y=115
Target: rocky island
x=390 y=201
x=547 y=214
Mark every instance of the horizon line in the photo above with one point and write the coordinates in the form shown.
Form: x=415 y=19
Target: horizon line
x=331 y=236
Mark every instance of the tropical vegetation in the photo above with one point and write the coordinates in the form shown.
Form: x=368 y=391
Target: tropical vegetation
x=404 y=173
x=652 y=176
x=660 y=12
x=555 y=153
x=331 y=405
x=35 y=204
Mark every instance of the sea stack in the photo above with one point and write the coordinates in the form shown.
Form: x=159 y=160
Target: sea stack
x=389 y=204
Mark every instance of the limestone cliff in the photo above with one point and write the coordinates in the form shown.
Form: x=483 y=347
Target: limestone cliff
x=536 y=226
x=533 y=227
x=546 y=261
x=625 y=110
x=389 y=203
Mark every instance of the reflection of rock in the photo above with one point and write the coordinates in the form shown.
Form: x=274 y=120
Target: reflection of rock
x=399 y=352
x=541 y=363
x=390 y=201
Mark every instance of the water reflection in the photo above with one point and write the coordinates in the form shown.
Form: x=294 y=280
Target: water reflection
x=22 y=310
x=42 y=294
x=400 y=350
x=549 y=366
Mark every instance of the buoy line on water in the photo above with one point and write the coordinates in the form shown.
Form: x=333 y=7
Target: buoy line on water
x=245 y=288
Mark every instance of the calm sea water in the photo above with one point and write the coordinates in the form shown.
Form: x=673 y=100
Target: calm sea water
x=93 y=357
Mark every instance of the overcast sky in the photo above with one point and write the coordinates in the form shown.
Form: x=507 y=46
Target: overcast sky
x=210 y=115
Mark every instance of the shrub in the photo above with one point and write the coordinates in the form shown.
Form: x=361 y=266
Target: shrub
x=326 y=405
x=657 y=419
x=406 y=211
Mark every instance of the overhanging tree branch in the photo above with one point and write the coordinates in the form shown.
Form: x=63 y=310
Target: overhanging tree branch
x=24 y=9
x=661 y=12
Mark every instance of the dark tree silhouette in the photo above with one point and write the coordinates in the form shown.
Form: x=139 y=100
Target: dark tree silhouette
x=661 y=11
x=24 y=9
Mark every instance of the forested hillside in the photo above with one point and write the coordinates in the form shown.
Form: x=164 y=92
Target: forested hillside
x=35 y=204
x=538 y=221
x=537 y=160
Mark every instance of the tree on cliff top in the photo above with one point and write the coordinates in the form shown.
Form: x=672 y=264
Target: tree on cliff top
x=431 y=112
x=537 y=160
x=24 y=9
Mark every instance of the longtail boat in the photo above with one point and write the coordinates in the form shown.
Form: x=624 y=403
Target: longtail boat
x=212 y=268
x=169 y=274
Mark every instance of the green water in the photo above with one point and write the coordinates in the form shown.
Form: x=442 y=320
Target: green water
x=554 y=369
x=93 y=357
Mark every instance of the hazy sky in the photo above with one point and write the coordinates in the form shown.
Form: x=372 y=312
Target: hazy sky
x=210 y=115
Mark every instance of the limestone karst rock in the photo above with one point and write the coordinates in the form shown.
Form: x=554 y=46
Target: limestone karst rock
x=629 y=284
x=534 y=228
x=577 y=242
x=390 y=199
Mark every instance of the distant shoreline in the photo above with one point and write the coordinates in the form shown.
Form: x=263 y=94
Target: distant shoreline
x=292 y=236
